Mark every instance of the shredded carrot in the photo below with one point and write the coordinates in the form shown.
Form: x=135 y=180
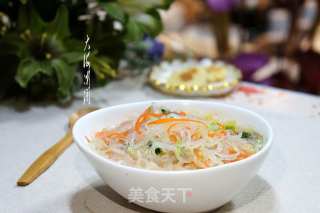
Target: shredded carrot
x=111 y=134
x=242 y=155
x=173 y=138
x=108 y=152
x=219 y=133
x=140 y=119
x=199 y=159
x=143 y=117
x=231 y=150
x=207 y=162
x=153 y=115
x=196 y=136
x=211 y=134
x=182 y=113
x=192 y=165
x=198 y=153
x=168 y=120
x=220 y=125
x=170 y=128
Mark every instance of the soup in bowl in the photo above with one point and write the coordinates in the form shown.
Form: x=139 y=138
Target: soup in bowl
x=175 y=155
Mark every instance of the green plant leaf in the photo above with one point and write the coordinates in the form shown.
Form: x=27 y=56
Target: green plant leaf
x=149 y=22
x=101 y=67
x=29 y=68
x=23 y=19
x=73 y=45
x=11 y=44
x=114 y=10
x=134 y=31
x=36 y=23
x=60 y=25
x=24 y=1
x=30 y=20
x=72 y=57
x=134 y=7
x=65 y=76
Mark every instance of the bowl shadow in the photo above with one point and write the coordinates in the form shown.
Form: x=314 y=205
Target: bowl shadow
x=257 y=196
x=100 y=198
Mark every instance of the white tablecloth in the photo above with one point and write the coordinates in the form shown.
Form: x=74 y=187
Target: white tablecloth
x=288 y=182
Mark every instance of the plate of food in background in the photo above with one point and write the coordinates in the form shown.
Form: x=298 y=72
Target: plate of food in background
x=195 y=78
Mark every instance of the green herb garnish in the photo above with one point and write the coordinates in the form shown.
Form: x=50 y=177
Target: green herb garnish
x=164 y=111
x=131 y=151
x=178 y=151
x=158 y=151
x=231 y=125
x=149 y=144
x=213 y=126
x=245 y=134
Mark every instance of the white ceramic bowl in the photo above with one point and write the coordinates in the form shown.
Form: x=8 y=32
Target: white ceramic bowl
x=192 y=190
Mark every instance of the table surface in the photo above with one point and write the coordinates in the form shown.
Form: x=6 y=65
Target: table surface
x=289 y=180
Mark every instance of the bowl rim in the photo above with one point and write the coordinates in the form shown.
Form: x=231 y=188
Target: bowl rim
x=97 y=156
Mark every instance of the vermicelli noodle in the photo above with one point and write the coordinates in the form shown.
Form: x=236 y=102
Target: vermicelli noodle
x=162 y=139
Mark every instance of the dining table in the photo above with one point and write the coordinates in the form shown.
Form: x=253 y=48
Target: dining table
x=288 y=181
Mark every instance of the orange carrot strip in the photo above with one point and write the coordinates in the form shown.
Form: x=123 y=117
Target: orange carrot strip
x=172 y=135
x=173 y=138
x=219 y=133
x=199 y=161
x=231 y=150
x=143 y=117
x=182 y=113
x=140 y=120
x=198 y=153
x=106 y=134
x=207 y=163
x=170 y=128
x=243 y=155
x=192 y=165
x=168 y=120
x=196 y=136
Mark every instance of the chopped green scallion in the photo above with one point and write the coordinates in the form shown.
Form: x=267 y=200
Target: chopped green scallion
x=245 y=134
x=157 y=151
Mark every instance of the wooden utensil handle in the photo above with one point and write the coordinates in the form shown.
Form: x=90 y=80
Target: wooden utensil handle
x=45 y=160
